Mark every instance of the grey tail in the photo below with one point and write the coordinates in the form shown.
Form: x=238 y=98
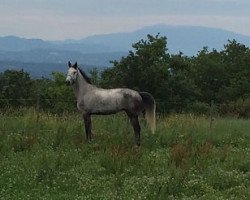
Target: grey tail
x=149 y=106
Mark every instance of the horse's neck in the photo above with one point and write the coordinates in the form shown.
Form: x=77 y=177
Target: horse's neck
x=81 y=87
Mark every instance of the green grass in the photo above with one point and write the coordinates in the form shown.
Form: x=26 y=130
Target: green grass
x=183 y=160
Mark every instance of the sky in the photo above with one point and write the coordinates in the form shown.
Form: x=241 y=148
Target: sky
x=76 y=19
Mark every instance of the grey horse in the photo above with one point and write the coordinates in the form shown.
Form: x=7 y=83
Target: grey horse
x=99 y=101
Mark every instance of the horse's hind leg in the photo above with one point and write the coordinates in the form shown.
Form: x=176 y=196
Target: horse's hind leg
x=136 y=126
x=88 y=126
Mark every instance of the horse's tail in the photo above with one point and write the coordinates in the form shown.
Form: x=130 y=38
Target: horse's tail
x=149 y=106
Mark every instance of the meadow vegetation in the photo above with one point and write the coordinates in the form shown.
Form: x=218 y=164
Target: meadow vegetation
x=46 y=156
x=185 y=159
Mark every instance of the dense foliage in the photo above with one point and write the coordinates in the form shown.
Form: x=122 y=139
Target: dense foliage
x=182 y=83
x=179 y=83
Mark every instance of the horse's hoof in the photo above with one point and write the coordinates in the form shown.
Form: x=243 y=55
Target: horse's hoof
x=136 y=148
x=90 y=141
x=137 y=145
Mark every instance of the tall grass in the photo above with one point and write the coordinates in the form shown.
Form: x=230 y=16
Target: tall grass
x=185 y=159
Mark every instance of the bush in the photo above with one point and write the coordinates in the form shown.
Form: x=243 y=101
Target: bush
x=199 y=108
x=240 y=109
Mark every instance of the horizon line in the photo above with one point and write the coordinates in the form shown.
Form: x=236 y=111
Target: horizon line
x=120 y=32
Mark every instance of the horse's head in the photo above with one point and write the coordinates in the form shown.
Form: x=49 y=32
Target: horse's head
x=72 y=74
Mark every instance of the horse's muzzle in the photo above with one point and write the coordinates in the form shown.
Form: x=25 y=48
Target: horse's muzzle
x=67 y=82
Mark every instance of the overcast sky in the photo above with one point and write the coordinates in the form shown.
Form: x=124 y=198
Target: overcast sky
x=74 y=19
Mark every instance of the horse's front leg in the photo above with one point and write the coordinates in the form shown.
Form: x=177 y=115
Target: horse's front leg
x=88 y=126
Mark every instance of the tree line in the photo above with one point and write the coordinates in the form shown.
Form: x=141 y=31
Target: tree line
x=179 y=83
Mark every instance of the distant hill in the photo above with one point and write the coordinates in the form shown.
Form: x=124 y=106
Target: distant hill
x=13 y=43
x=98 y=50
x=187 y=39
x=38 y=70
x=60 y=56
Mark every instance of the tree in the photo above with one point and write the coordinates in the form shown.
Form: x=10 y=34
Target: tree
x=209 y=75
x=55 y=95
x=94 y=73
x=236 y=57
x=15 y=86
x=144 y=69
x=181 y=82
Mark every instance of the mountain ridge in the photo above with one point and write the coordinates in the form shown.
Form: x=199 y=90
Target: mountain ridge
x=177 y=37
x=99 y=50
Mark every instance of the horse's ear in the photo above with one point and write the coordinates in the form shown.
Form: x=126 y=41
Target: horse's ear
x=69 y=64
x=75 y=65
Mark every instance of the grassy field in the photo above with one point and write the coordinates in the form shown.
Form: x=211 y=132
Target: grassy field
x=183 y=160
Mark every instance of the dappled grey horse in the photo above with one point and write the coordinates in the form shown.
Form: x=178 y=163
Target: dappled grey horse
x=99 y=101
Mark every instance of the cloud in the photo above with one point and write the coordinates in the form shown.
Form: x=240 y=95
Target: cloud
x=128 y=7
x=54 y=27
x=59 y=19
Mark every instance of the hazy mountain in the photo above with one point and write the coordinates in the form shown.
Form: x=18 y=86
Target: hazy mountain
x=187 y=39
x=98 y=50
x=13 y=43
x=38 y=70
x=60 y=56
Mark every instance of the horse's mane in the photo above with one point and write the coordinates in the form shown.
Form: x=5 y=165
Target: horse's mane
x=85 y=76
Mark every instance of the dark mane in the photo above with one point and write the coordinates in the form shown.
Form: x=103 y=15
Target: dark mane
x=85 y=76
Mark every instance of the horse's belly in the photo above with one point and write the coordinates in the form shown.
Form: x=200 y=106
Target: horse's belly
x=104 y=106
x=108 y=106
